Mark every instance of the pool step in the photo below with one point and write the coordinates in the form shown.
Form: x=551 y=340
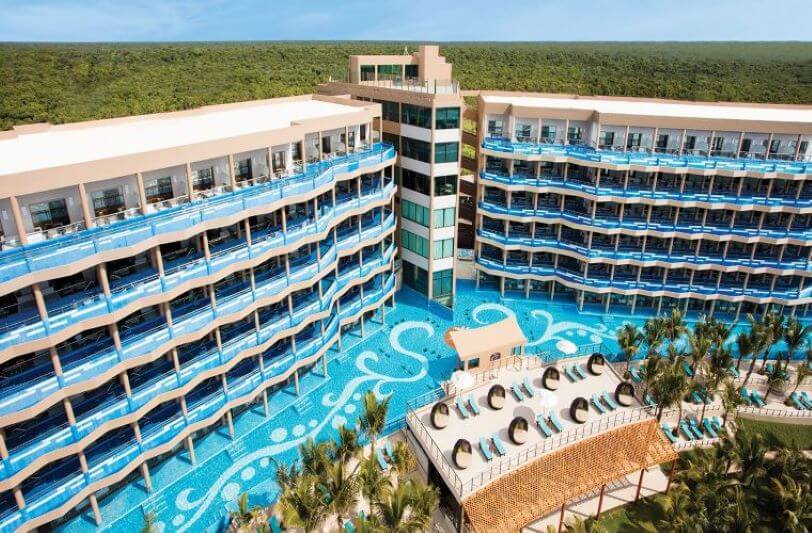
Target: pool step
x=236 y=449
x=156 y=504
x=342 y=356
x=303 y=404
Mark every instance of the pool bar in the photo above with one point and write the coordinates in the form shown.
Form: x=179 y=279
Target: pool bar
x=139 y=311
x=641 y=206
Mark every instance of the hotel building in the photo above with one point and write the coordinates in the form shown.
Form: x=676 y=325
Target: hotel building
x=638 y=205
x=159 y=274
x=421 y=114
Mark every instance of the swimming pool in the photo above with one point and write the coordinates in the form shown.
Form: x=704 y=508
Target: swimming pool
x=404 y=357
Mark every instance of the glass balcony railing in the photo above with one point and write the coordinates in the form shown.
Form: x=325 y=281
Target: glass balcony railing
x=635 y=224
x=557 y=184
x=646 y=159
x=72 y=247
x=650 y=287
x=14 y=331
x=598 y=252
x=202 y=412
x=212 y=358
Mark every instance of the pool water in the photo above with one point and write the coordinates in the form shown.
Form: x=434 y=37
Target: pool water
x=402 y=358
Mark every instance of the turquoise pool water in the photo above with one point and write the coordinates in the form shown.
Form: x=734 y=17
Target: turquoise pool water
x=405 y=357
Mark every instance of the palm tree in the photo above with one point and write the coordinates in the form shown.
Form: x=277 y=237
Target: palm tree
x=801 y=373
x=149 y=522
x=629 y=338
x=674 y=325
x=347 y=446
x=315 y=456
x=760 y=336
x=244 y=513
x=699 y=347
x=393 y=511
x=403 y=461
x=677 y=507
x=773 y=331
x=795 y=336
x=652 y=369
x=775 y=379
x=789 y=502
x=373 y=483
x=373 y=418
x=342 y=488
x=747 y=448
x=580 y=525
x=744 y=344
x=654 y=335
x=669 y=389
x=424 y=499
x=731 y=398
x=742 y=514
x=303 y=504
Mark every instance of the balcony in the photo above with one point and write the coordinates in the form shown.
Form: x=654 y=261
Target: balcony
x=557 y=184
x=25 y=326
x=646 y=286
x=631 y=223
x=646 y=159
x=139 y=229
x=244 y=345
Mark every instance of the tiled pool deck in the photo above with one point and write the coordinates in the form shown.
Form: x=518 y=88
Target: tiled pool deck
x=404 y=358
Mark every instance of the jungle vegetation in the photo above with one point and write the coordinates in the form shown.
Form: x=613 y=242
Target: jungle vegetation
x=60 y=83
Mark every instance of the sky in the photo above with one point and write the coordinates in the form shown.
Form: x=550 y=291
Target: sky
x=406 y=20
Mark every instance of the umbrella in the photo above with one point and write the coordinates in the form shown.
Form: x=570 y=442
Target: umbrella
x=547 y=399
x=462 y=379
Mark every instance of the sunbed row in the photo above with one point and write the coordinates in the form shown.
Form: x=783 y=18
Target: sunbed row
x=693 y=430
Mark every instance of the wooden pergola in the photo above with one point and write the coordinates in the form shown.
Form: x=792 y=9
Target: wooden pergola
x=538 y=488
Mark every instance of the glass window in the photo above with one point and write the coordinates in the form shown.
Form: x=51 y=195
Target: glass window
x=548 y=134
x=47 y=215
x=204 y=178
x=414 y=212
x=445 y=185
x=443 y=248
x=634 y=140
x=415 y=149
x=495 y=128
x=415 y=181
x=448 y=118
x=415 y=277
x=242 y=170
x=690 y=142
x=414 y=243
x=575 y=135
x=367 y=72
x=159 y=189
x=607 y=138
x=411 y=72
x=523 y=132
x=442 y=283
x=444 y=218
x=415 y=115
x=389 y=72
x=446 y=152
x=107 y=201
x=389 y=110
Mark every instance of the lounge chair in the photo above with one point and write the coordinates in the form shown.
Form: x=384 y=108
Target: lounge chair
x=733 y=372
x=746 y=396
x=696 y=397
x=472 y=404
x=276 y=527
x=709 y=428
x=461 y=408
x=718 y=424
x=636 y=377
x=498 y=444
x=757 y=399
x=596 y=403
x=579 y=370
x=688 y=370
x=608 y=401
x=649 y=400
x=528 y=388
x=686 y=431
x=517 y=391
x=796 y=401
x=556 y=422
x=485 y=448
x=695 y=428
x=569 y=373
x=666 y=427
x=390 y=451
x=349 y=527
x=807 y=399
x=543 y=427
x=381 y=459
x=770 y=368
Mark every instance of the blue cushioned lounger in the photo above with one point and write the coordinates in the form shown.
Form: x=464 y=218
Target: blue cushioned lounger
x=709 y=429
x=695 y=428
x=807 y=399
x=485 y=448
x=734 y=372
x=472 y=404
x=517 y=391
x=596 y=403
x=500 y=446
x=556 y=422
x=668 y=433
x=461 y=408
x=579 y=370
x=381 y=460
x=609 y=401
x=543 y=427
x=796 y=401
x=687 y=368
x=390 y=452
x=569 y=373
x=528 y=387
x=686 y=431
x=636 y=377
x=275 y=526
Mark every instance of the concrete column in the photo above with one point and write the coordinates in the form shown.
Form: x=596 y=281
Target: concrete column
x=94 y=505
x=232 y=177
x=142 y=195
x=189 y=181
x=86 y=214
x=17 y=215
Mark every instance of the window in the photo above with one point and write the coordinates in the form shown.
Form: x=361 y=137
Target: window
x=107 y=201
x=524 y=132
x=495 y=128
x=634 y=140
x=389 y=110
x=575 y=135
x=392 y=139
x=445 y=185
x=443 y=248
x=204 y=179
x=415 y=277
x=415 y=149
x=442 y=283
x=159 y=189
x=242 y=170
x=444 y=218
x=411 y=72
x=548 y=134
x=367 y=72
x=47 y=215
x=662 y=141
x=415 y=115
x=414 y=243
x=746 y=145
x=389 y=72
x=448 y=118
x=607 y=138
x=446 y=152
x=690 y=142
x=415 y=213
x=415 y=181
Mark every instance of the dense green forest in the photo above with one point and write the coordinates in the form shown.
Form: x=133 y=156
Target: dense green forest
x=63 y=83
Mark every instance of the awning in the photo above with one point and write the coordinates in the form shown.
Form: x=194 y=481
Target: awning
x=471 y=343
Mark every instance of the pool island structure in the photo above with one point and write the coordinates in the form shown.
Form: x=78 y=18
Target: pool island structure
x=187 y=297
